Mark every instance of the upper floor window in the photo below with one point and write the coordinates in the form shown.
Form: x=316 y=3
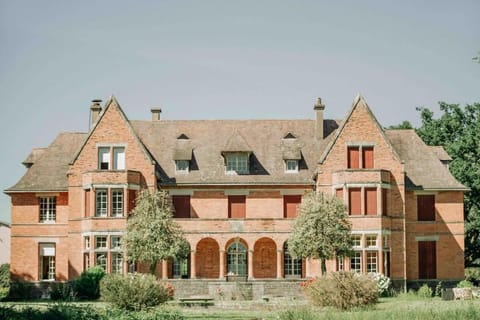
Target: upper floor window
x=181 y=204
x=357 y=240
x=291 y=166
x=117 y=202
x=236 y=206
x=111 y=158
x=290 y=205
x=237 y=163
x=426 y=207
x=360 y=157
x=115 y=242
x=48 y=208
x=101 y=242
x=101 y=203
x=182 y=166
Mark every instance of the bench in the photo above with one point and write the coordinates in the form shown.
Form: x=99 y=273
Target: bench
x=199 y=301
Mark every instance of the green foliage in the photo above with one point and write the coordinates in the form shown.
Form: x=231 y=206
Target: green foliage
x=404 y=125
x=4 y=292
x=473 y=275
x=22 y=290
x=152 y=235
x=5 y=275
x=133 y=291
x=62 y=291
x=87 y=286
x=298 y=314
x=425 y=291
x=438 y=289
x=464 y=284
x=153 y=314
x=342 y=290
x=321 y=229
x=458 y=130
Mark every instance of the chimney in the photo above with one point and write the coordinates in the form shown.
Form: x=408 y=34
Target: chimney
x=156 y=113
x=95 y=110
x=319 y=107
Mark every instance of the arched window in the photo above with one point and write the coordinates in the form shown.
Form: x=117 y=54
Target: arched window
x=292 y=267
x=237 y=259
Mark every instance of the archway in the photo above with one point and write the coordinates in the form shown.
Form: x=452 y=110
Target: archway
x=237 y=259
x=207 y=257
x=265 y=259
x=292 y=268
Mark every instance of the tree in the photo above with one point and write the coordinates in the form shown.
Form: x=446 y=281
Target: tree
x=458 y=130
x=404 y=125
x=321 y=229
x=152 y=235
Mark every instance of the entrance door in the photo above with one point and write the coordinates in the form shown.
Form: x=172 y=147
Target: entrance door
x=427 y=260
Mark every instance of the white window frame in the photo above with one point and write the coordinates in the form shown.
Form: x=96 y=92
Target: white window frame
x=118 y=202
x=47 y=252
x=237 y=163
x=291 y=166
x=118 y=158
x=116 y=263
x=356 y=237
x=101 y=211
x=115 y=242
x=182 y=166
x=103 y=265
x=47 y=209
x=99 y=241
x=86 y=243
x=104 y=158
x=371 y=262
x=356 y=261
x=368 y=241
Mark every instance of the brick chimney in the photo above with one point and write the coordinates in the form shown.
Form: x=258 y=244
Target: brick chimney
x=95 y=110
x=156 y=113
x=319 y=107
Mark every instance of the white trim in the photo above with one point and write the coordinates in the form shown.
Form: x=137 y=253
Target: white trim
x=293 y=192
x=180 y=192
x=427 y=238
x=425 y=192
x=237 y=192
x=110 y=144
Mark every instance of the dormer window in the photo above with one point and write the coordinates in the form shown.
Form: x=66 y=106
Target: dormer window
x=237 y=163
x=291 y=166
x=182 y=166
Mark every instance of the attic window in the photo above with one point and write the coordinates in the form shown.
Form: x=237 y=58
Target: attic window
x=237 y=163
x=182 y=166
x=291 y=166
x=183 y=136
x=289 y=136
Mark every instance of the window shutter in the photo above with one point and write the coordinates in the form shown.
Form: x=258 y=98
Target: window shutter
x=367 y=153
x=426 y=207
x=353 y=157
x=182 y=206
x=370 y=201
x=290 y=205
x=354 y=201
x=236 y=206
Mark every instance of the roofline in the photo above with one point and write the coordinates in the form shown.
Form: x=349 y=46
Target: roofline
x=8 y=225
x=465 y=189
x=8 y=191
x=237 y=184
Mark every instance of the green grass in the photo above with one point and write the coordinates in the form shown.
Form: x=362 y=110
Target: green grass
x=404 y=307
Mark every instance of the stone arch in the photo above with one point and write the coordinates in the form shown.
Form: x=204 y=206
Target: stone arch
x=207 y=257
x=236 y=252
x=265 y=259
x=180 y=268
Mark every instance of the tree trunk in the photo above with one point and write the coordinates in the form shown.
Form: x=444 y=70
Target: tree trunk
x=324 y=267
x=153 y=266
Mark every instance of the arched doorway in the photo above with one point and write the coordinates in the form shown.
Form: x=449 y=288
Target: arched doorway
x=207 y=259
x=292 y=268
x=237 y=259
x=265 y=259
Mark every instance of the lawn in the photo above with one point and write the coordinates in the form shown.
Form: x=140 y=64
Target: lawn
x=403 y=307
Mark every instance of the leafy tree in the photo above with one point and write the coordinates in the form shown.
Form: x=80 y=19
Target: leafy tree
x=321 y=229
x=152 y=235
x=458 y=130
x=404 y=125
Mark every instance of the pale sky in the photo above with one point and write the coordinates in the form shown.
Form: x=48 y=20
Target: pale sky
x=225 y=60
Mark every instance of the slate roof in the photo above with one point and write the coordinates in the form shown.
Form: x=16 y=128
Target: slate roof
x=33 y=156
x=49 y=171
x=441 y=154
x=209 y=140
x=422 y=165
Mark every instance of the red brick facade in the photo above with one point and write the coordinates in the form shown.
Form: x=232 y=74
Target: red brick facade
x=359 y=164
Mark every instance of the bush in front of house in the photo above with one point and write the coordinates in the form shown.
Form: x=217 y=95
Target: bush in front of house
x=384 y=284
x=473 y=275
x=465 y=284
x=4 y=280
x=87 y=286
x=425 y=291
x=342 y=290
x=133 y=291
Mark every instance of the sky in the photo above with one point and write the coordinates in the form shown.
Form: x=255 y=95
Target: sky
x=225 y=60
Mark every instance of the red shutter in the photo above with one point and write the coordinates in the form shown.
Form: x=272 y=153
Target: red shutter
x=182 y=206
x=427 y=260
x=367 y=154
x=290 y=205
x=370 y=201
x=426 y=207
x=236 y=206
x=354 y=201
x=353 y=157
x=132 y=195
x=87 y=203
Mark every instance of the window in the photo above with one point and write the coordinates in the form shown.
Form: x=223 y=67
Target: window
x=237 y=163
x=291 y=166
x=48 y=208
x=356 y=262
x=101 y=203
x=105 y=154
x=354 y=161
x=182 y=166
x=86 y=243
x=371 y=241
x=117 y=263
x=47 y=261
x=101 y=260
x=372 y=264
x=290 y=205
x=426 y=207
x=180 y=268
x=115 y=242
x=386 y=242
x=357 y=240
x=427 y=260
x=101 y=242
x=370 y=201
x=340 y=263
x=117 y=202
x=353 y=157
x=181 y=204
x=237 y=259
x=354 y=201
x=292 y=267
x=367 y=155
x=236 y=206
x=86 y=261
x=118 y=158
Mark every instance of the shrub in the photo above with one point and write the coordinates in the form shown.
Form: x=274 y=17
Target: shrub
x=384 y=284
x=342 y=290
x=61 y=291
x=5 y=275
x=438 y=289
x=296 y=314
x=87 y=286
x=154 y=314
x=133 y=291
x=473 y=275
x=464 y=284
x=425 y=291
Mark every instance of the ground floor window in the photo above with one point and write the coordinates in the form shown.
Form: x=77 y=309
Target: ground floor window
x=237 y=259
x=356 y=262
x=101 y=260
x=47 y=261
x=372 y=261
x=117 y=263
x=340 y=263
x=181 y=268
x=292 y=267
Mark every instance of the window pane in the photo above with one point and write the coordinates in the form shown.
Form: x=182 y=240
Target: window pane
x=117 y=263
x=237 y=259
x=372 y=261
x=291 y=165
x=356 y=262
x=101 y=203
x=357 y=240
x=100 y=242
x=292 y=267
x=115 y=242
x=182 y=166
x=48 y=209
x=119 y=158
x=47 y=261
x=237 y=162
x=117 y=202
x=101 y=260
x=104 y=158
x=371 y=241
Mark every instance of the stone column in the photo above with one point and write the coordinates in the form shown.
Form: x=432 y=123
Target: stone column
x=222 y=264
x=193 y=270
x=279 y=264
x=250 y=264
x=164 y=269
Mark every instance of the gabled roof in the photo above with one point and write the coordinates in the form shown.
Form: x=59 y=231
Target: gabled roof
x=110 y=102
x=49 y=171
x=356 y=102
x=236 y=143
x=422 y=166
